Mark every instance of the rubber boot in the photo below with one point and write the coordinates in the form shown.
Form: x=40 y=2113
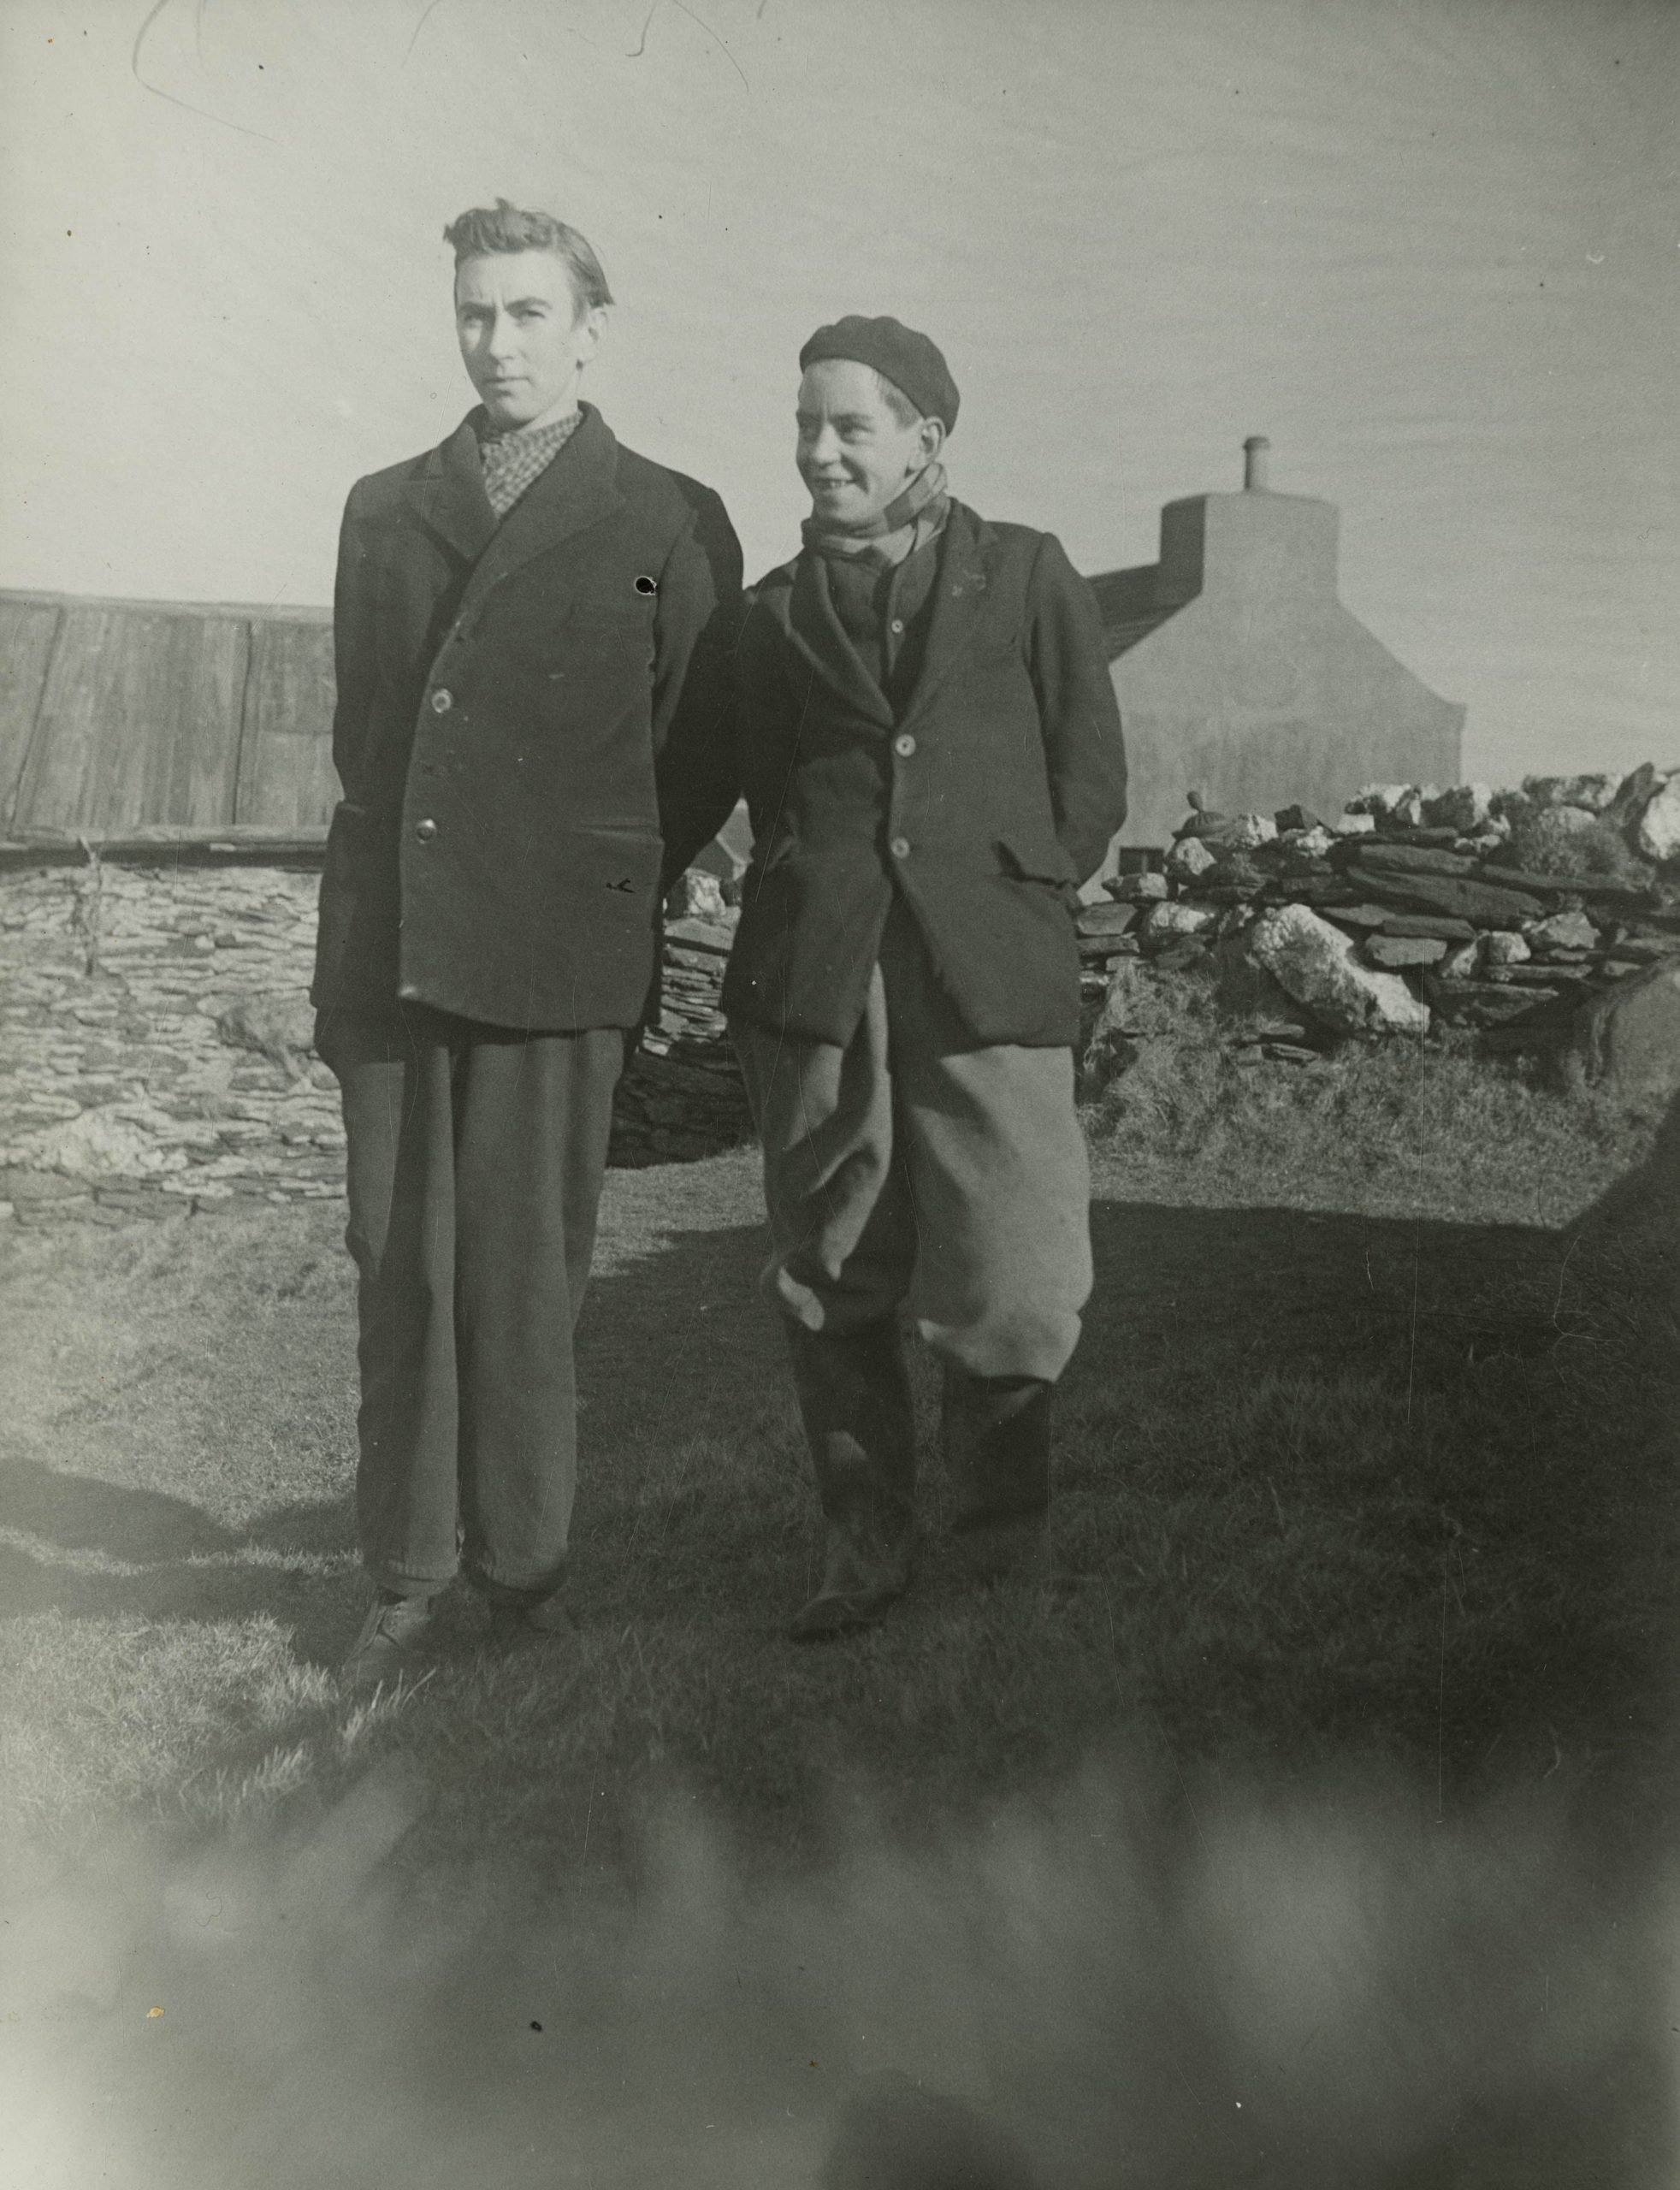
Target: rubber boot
x=996 y=1432
x=855 y=1399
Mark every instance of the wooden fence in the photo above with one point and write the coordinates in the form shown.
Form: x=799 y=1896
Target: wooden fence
x=116 y=715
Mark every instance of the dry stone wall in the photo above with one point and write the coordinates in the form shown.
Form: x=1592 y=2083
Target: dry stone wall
x=1540 y=918
x=155 y=1030
x=682 y=1096
x=156 y=1043
x=121 y=1093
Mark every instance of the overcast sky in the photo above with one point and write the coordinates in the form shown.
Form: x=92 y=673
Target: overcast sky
x=1431 y=247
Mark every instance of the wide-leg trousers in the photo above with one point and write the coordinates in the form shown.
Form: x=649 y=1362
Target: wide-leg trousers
x=911 y=1164
x=475 y=1157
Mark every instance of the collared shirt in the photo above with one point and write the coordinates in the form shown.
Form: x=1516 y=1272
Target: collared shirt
x=514 y=459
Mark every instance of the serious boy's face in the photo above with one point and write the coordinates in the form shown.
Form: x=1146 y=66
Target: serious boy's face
x=852 y=452
x=524 y=341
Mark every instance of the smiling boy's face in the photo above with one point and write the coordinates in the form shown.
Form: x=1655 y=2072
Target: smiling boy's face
x=853 y=452
x=524 y=341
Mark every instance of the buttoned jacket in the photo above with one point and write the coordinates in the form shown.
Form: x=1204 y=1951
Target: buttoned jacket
x=513 y=701
x=982 y=802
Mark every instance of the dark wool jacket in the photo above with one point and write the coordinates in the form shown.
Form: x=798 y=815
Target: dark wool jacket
x=514 y=702
x=990 y=795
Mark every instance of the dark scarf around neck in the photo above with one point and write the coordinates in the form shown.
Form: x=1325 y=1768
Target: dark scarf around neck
x=920 y=508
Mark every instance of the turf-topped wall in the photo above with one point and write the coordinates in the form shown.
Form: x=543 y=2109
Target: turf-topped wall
x=1543 y=917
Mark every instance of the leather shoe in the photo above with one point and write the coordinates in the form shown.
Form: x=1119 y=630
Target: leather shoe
x=547 y=1620
x=392 y=1642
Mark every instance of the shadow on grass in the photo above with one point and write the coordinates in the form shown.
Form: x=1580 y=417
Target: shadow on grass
x=1381 y=1510
x=1329 y=1484
x=79 y=1514
x=89 y=1549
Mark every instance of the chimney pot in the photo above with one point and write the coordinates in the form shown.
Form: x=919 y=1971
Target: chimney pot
x=1257 y=457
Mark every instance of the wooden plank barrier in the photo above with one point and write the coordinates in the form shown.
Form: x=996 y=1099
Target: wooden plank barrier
x=119 y=715
x=206 y=727
x=286 y=772
x=28 y=631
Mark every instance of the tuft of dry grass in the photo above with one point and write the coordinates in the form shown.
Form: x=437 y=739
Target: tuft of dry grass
x=1431 y=1128
x=1557 y=840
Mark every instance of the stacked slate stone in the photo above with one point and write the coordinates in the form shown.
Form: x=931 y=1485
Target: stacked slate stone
x=157 y=1044
x=682 y=1096
x=1417 y=908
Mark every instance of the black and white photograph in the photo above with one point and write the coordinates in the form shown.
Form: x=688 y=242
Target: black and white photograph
x=840 y=1095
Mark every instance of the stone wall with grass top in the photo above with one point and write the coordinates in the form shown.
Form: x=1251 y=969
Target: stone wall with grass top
x=1543 y=918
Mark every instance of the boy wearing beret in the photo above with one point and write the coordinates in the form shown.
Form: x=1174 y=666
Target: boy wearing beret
x=930 y=753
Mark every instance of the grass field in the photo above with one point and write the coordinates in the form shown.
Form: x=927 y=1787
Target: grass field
x=1311 y=1829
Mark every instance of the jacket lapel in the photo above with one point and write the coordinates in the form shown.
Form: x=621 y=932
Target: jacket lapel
x=577 y=490
x=447 y=494
x=818 y=634
x=961 y=596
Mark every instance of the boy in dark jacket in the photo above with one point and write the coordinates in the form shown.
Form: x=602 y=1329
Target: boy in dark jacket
x=530 y=627
x=930 y=752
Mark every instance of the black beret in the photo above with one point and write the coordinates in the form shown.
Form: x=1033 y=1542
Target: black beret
x=908 y=359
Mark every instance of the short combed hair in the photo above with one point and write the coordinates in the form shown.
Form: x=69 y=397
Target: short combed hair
x=484 y=230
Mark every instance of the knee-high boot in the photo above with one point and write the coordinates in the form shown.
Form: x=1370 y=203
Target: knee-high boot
x=996 y=1432
x=855 y=1399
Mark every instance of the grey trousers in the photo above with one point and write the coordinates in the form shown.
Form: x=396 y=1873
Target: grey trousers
x=912 y=1164
x=476 y=1161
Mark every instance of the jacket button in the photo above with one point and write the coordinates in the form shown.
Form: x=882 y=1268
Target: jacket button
x=425 y=830
x=900 y=848
x=898 y=623
x=904 y=746
x=442 y=701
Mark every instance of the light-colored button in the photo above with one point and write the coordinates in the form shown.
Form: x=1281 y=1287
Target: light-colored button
x=442 y=701
x=425 y=830
x=900 y=848
x=898 y=623
x=904 y=746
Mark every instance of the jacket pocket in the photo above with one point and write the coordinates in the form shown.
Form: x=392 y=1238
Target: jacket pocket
x=623 y=862
x=597 y=627
x=1036 y=859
